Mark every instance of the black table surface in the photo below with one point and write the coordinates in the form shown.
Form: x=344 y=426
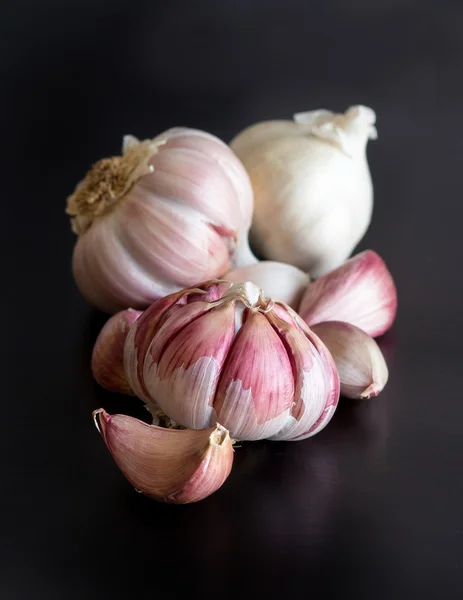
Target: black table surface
x=372 y=507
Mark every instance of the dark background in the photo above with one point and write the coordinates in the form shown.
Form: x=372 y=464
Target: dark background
x=372 y=507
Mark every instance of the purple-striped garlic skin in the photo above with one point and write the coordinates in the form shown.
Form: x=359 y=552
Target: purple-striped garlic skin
x=361 y=292
x=170 y=212
x=178 y=466
x=224 y=353
x=108 y=352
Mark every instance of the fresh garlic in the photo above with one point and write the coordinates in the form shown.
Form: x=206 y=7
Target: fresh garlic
x=168 y=213
x=360 y=363
x=225 y=353
x=108 y=352
x=313 y=193
x=279 y=280
x=361 y=292
x=178 y=466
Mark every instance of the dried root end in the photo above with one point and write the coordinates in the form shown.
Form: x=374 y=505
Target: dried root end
x=107 y=182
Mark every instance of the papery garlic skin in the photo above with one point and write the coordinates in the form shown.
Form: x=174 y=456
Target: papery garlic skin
x=177 y=466
x=360 y=363
x=279 y=280
x=361 y=292
x=170 y=212
x=224 y=353
x=108 y=352
x=313 y=194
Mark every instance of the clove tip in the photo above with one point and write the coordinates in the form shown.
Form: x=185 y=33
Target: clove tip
x=371 y=391
x=99 y=414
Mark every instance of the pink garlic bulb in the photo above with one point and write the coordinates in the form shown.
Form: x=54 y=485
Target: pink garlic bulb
x=223 y=353
x=168 y=213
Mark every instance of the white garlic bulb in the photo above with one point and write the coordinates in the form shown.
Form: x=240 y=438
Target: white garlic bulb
x=313 y=195
x=166 y=214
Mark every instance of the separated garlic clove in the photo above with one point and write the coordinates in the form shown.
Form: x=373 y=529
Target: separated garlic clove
x=313 y=194
x=168 y=213
x=108 y=352
x=361 y=292
x=360 y=363
x=178 y=466
x=223 y=352
x=279 y=280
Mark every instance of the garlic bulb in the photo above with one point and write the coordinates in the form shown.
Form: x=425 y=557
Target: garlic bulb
x=361 y=292
x=168 y=213
x=360 y=363
x=178 y=466
x=313 y=195
x=279 y=280
x=224 y=353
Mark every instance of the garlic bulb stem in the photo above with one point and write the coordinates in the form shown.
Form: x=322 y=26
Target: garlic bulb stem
x=246 y=291
x=280 y=281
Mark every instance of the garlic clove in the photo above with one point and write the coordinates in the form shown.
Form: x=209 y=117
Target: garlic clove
x=315 y=376
x=181 y=375
x=162 y=321
x=108 y=352
x=178 y=466
x=361 y=292
x=280 y=281
x=256 y=386
x=360 y=363
x=140 y=336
